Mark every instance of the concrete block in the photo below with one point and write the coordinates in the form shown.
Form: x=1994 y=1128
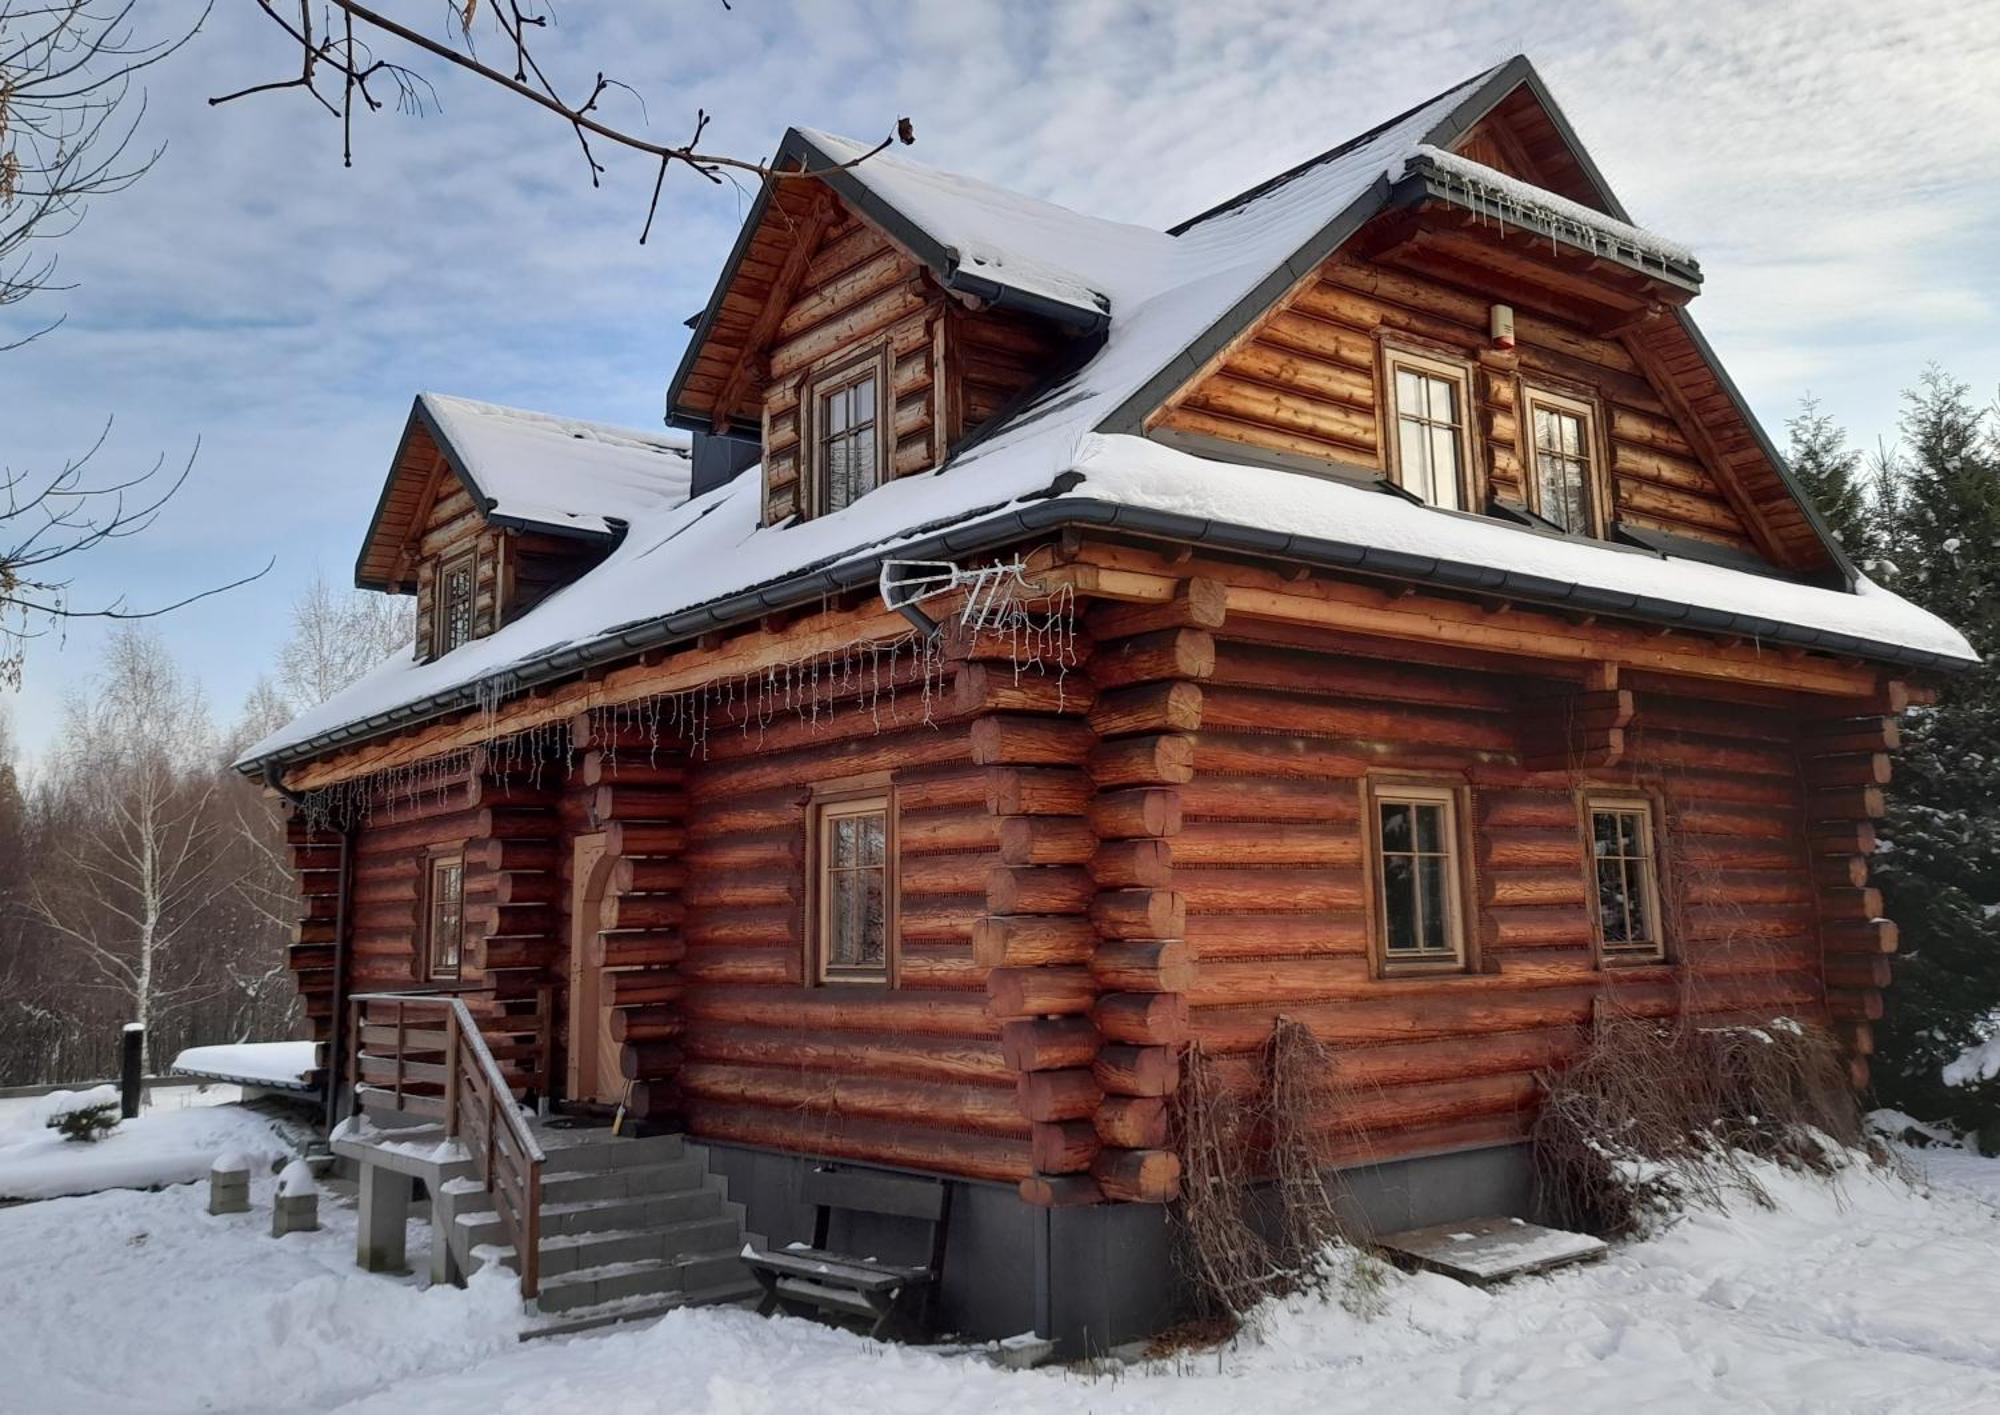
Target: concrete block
x=295 y=1209
x=380 y=1233
x=229 y=1185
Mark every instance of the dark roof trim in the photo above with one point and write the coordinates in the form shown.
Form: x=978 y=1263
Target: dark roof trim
x=1035 y=517
x=420 y=418
x=800 y=153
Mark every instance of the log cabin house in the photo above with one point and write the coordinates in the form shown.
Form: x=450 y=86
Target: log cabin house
x=1039 y=643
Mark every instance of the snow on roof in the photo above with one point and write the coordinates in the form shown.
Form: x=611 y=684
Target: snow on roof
x=561 y=472
x=713 y=547
x=1164 y=292
x=1585 y=225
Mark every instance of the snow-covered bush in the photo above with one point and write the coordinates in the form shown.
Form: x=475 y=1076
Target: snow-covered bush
x=86 y=1124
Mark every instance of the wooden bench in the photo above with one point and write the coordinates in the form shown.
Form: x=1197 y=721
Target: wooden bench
x=895 y=1299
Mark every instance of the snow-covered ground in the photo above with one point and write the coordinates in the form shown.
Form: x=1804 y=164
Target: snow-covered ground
x=171 y=1141
x=1874 y=1295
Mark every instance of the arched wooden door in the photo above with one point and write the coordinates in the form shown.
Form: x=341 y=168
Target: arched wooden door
x=593 y=1056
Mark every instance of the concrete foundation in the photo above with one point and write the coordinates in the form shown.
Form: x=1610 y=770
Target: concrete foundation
x=380 y=1242
x=294 y=1213
x=1094 y=1278
x=229 y=1191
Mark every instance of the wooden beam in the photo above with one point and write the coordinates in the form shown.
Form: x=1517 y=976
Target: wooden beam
x=742 y=372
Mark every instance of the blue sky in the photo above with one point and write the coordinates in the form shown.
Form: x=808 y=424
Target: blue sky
x=1835 y=164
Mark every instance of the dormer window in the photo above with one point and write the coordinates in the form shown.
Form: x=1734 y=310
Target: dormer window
x=1429 y=453
x=457 y=586
x=1564 y=485
x=848 y=412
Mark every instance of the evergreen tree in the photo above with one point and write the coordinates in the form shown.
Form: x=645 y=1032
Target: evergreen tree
x=1940 y=865
x=1830 y=472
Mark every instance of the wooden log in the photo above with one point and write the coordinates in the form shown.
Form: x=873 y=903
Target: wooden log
x=1199 y=602
x=1049 y=1043
x=648 y=1061
x=1138 y=1176
x=635 y=838
x=637 y=803
x=1860 y=936
x=1149 y=658
x=1015 y=740
x=1032 y=791
x=1133 y=1122
x=1854 y=1005
x=1864 y=734
x=653 y=1100
x=642 y=948
x=1148 y=707
x=1143 y=863
x=640 y=911
x=1046 y=840
x=988 y=1109
x=984 y=688
x=1040 y=992
x=1143 y=761
x=1137 y=1071
x=1064 y=1147
x=1855 y=803
x=1855 y=971
x=1841 y=871
x=1143 y=966
x=519 y=887
x=1142 y=1018
x=643 y=987
x=873 y=1141
x=1131 y=814
x=1310 y=843
x=637 y=768
x=918 y=875
x=1842 y=838
x=1044 y=889
x=1058 y=1095
x=1276 y=799
x=1032 y=940
x=1855 y=769
x=509 y=855
x=951 y=830
x=647 y=875
x=874 y=1053
x=1139 y=914
x=645 y=1024
x=1851 y=905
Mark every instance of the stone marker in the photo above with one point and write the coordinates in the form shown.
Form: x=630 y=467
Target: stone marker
x=229 y=1184
x=296 y=1207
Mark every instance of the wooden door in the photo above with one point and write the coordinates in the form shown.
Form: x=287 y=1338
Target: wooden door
x=593 y=1055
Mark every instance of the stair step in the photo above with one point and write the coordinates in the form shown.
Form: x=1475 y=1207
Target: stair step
x=635 y=1212
x=672 y=1177
x=603 y=1152
x=634 y=1309
x=566 y=1253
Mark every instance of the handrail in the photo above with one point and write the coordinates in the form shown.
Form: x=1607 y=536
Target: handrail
x=477 y=1098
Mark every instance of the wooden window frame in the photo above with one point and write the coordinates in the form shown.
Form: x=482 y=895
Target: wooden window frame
x=441 y=600
x=813 y=391
x=1454 y=796
x=1597 y=481
x=1590 y=801
x=1458 y=372
x=434 y=861
x=844 y=798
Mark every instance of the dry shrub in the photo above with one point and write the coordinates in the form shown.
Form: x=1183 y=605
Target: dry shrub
x=1655 y=1117
x=1259 y=1215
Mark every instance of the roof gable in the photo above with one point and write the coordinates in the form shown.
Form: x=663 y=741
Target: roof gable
x=523 y=470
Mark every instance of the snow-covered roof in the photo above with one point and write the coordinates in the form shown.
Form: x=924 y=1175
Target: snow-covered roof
x=1167 y=297
x=559 y=473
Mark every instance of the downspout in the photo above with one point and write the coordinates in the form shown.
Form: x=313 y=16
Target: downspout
x=274 y=778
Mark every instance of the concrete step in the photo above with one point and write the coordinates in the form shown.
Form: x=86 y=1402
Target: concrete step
x=673 y=1177
x=571 y=1252
x=570 y=1156
x=573 y=1320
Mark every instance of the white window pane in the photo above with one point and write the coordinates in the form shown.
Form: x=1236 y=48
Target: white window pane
x=1409 y=393
x=1444 y=468
x=1443 y=401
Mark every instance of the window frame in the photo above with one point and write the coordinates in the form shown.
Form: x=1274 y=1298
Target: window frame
x=1445 y=367
x=441 y=600
x=1597 y=488
x=851 y=798
x=435 y=861
x=1647 y=807
x=1461 y=897
x=813 y=392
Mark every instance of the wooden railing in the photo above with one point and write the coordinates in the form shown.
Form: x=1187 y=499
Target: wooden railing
x=422 y=1054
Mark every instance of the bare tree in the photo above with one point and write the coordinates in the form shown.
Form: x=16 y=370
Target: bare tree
x=339 y=63
x=337 y=636
x=68 y=127
x=133 y=879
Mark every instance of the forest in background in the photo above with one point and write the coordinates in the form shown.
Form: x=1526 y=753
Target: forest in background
x=142 y=879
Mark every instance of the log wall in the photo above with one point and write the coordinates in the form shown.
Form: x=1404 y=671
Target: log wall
x=1306 y=381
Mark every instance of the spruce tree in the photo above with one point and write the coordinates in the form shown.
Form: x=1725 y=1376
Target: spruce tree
x=1830 y=472
x=1940 y=863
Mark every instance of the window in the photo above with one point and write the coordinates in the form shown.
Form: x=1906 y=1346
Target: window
x=444 y=916
x=1563 y=489
x=1428 y=440
x=457 y=586
x=847 y=414
x=1627 y=870
x=854 y=888
x=1416 y=868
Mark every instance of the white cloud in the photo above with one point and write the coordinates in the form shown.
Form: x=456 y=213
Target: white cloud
x=1832 y=162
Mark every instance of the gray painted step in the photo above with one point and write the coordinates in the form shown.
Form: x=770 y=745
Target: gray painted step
x=675 y=1176
x=569 y=1252
x=569 y=1157
x=643 y=1277
x=636 y=1309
